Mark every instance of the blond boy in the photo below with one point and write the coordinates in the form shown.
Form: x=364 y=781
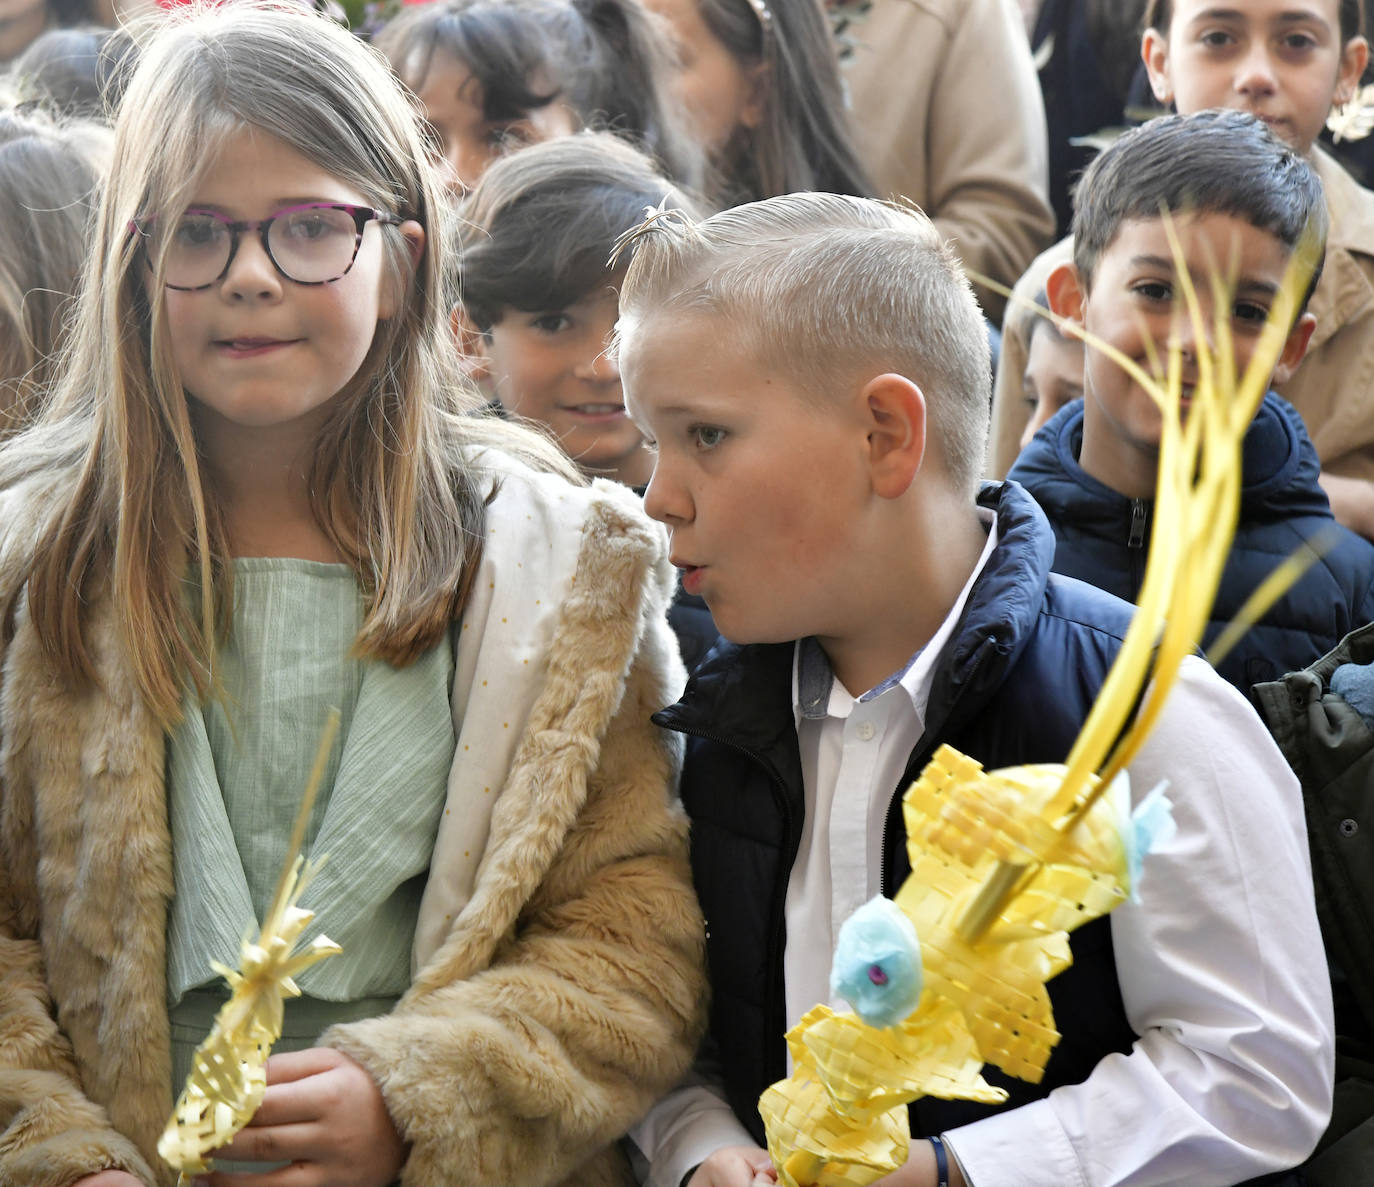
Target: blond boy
x=814 y=372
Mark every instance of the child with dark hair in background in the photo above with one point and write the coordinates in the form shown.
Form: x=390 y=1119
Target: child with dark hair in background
x=540 y=302
x=1286 y=62
x=497 y=75
x=1054 y=371
x=1243 y=200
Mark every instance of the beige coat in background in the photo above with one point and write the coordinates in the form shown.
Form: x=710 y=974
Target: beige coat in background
x=948 y=113
x=560 y=989
x=1332 y=389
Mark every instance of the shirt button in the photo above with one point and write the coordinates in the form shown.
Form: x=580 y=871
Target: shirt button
x=866 y=731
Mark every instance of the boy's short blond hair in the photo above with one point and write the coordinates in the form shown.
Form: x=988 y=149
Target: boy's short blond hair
x=828 y=289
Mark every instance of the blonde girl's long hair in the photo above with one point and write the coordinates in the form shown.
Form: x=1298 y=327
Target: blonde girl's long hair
x=136 y=514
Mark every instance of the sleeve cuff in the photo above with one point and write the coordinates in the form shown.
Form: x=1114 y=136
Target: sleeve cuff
x=1025 y=1147
x=682 y=1131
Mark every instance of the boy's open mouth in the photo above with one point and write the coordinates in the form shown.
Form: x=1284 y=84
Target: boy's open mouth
x=692 y=576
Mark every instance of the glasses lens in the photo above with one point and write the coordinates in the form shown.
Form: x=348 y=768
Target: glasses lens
x=198 y=250
x=313 y=244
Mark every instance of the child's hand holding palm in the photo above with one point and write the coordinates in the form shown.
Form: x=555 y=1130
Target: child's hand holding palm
x=324 y=1114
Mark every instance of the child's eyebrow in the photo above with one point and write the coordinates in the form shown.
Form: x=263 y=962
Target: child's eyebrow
x=1291 y=16
x=1163 y=263
x=1166 y=264
x=679 y=410
x=278 y=203
x=1218 y=14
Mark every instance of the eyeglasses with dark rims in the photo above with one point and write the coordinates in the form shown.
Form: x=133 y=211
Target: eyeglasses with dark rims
x=314 y=243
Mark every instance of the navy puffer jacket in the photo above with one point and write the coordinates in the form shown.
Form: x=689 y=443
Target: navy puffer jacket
x=1103 y=537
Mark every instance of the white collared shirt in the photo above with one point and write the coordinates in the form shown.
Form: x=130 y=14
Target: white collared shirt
x=853 y=754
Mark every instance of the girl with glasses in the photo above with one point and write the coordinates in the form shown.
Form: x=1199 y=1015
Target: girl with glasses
x=259 y=490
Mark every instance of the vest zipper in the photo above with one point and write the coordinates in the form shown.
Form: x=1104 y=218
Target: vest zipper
x=1140 y=515
x=776 y=991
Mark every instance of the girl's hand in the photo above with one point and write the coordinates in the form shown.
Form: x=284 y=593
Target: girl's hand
x=324 y=1114
x=735 y=1166
x=109 y=1179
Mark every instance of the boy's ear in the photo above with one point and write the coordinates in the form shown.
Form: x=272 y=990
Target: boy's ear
x=472 y=345
x=1354 y=58
x=1154 y=52
x=894 y=410
x=1294 y=348
x=1065 y=292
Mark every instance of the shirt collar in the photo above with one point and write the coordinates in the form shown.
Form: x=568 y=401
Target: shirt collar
x=816 y=694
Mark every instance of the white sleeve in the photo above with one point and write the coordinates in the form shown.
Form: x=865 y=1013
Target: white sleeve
x=687 y=1126
x=1223 y=976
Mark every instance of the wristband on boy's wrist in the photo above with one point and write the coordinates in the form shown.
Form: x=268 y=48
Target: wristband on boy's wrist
x=941 y=1162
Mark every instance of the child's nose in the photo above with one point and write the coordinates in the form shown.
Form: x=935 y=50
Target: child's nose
x=1189 y=341
x=664 y=498
x=251 y=275
x=1255 y=73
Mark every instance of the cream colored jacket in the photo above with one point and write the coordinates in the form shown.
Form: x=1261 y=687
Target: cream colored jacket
x=948 y=113
x=559 y=986
x=1333 y=387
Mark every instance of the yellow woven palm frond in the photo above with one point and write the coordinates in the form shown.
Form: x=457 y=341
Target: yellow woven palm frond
x=229 y=1070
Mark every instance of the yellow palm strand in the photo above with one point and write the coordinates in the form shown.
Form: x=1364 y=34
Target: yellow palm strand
x=228 y=1072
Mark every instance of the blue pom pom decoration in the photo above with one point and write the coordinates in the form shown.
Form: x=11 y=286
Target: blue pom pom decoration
x=877 y=967
x=1152 y=825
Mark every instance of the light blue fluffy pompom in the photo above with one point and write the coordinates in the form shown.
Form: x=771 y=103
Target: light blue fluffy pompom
x=877 y=967
x=1152 y=824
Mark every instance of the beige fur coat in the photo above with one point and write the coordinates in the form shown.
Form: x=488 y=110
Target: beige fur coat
x=559 y=985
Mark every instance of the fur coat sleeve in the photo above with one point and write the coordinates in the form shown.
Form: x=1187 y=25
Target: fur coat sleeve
x=564 y=995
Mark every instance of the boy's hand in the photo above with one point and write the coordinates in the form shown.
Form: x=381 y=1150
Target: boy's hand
x=323 y=1113
x=109 y=1179
x=735 y=1166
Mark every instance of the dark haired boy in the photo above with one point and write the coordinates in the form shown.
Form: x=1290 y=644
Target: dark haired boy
x=539 y=304
x=1053 y=374
x=814 y=371
x=1243 y=199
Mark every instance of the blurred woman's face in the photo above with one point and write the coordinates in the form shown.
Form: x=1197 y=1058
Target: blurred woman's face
x=719 y=93
x=469 y=141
